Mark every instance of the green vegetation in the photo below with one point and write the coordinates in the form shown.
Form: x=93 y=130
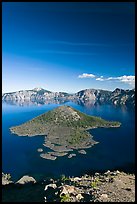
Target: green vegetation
x=95 y=183
x=64 y=178
x=65 y=198
x=7 y=176
x=77 y=136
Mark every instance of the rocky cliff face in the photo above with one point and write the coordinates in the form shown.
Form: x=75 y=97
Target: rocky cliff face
x=87 y=96
x=37 y=94
x=95 y=95
x=123 y=97
x=117 y=97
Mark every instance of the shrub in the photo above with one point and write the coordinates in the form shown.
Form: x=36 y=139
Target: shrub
x=64 y=178
x=95 y=183
x=65 y=198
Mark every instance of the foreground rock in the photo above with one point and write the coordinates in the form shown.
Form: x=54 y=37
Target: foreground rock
x=50 y=186
x=108 y=187
x=119 y=188
x=6 y=179
x=101 y=187
x=26 y=179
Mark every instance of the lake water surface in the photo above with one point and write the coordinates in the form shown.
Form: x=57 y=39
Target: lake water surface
x=115 y=150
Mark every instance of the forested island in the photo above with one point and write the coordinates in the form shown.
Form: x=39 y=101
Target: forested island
x=65 y=129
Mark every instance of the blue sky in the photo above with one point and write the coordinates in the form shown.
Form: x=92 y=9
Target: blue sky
x=68 y=46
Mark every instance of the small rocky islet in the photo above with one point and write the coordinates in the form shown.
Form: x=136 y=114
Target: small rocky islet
x=65 y=130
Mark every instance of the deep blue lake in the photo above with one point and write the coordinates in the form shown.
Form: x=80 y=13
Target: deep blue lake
x=115 y=150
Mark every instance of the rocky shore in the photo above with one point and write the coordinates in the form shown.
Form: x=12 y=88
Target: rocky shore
x=108 y=187
x=111 y=186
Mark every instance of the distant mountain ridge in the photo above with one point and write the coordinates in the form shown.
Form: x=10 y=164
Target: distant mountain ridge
x=32 y=95
x=116 y=97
